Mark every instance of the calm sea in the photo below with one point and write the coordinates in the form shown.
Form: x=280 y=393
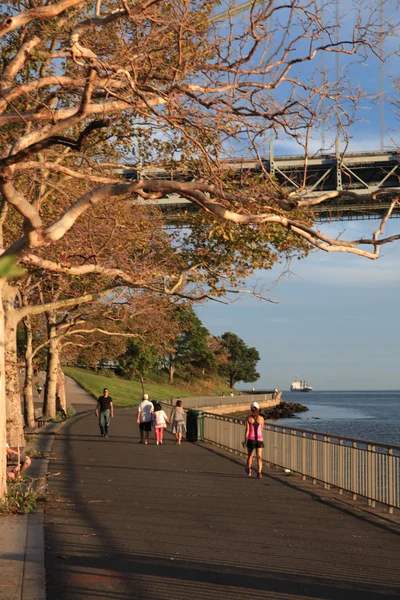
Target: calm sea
x=370 y=416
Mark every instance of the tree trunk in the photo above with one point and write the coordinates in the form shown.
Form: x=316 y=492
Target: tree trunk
x=61 y=389
x=171 y=371
x=50 y=388
x=29 y=407
x=231 y=381
x=3 y=461
x=15 y=430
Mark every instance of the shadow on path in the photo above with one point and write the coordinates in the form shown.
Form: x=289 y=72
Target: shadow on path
x=129 y=521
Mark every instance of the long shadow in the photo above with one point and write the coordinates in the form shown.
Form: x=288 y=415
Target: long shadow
x=370 y=519
x=85 y=571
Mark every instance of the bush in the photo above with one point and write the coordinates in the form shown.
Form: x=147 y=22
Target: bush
x=22 y=495
x=106 y=372
x=60 y=416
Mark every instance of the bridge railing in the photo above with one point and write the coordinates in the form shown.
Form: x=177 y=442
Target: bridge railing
x=364 y=469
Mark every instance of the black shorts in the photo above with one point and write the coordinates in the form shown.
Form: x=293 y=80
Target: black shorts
x=146 y=426
x=12 y=459
x=253 y=444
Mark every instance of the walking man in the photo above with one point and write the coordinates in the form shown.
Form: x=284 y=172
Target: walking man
x=105 y=411
x=144 y=416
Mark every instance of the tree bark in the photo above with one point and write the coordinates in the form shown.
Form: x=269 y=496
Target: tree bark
x=171 y=371
x=61 y=388
x=50 y=388
x=3 y=461
x=29 y=407
x=15 y=431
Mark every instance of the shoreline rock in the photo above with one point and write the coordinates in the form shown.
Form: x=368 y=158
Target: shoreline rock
x=284 y=410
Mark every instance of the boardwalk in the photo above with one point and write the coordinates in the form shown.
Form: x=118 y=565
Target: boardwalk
x=128 y=521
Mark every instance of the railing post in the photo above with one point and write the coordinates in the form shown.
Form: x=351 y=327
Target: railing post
x=354 y=470
x=341 y=467
x=304 y=455
x=369 y=478
x=293 y=450
x=390 y=480
x=325 y=462
x=314 y=459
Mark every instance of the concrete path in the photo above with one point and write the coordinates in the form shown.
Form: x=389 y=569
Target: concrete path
x=22 y=536
x=76 y=395
x=127 y=521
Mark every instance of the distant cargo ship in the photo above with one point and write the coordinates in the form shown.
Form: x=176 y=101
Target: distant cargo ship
x=299 y=385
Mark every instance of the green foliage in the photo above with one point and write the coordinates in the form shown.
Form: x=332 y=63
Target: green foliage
x=139 y=359
x=62 y=417
x=8 y=268
x=192 y=349
x=33 y=453
x=241 y=361
x=22 y=496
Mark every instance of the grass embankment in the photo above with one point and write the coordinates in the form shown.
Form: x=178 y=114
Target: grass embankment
x=128 y=393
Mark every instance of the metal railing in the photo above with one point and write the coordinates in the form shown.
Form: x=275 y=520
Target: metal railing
x=366 y=469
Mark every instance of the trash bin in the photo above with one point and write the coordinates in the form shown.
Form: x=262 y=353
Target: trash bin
x=195 y=425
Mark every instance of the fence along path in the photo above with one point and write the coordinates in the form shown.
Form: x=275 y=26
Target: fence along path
x=362 y=468
x=126 y=521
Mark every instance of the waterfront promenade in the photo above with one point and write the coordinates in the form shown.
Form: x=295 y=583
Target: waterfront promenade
x=127 y=521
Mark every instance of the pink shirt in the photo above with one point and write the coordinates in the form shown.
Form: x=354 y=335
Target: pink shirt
x=255 y=432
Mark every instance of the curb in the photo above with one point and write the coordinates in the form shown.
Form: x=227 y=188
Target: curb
x=33 y=584
x=34 y=576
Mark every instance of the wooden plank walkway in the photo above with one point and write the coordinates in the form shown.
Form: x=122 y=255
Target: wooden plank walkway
x=128 y=521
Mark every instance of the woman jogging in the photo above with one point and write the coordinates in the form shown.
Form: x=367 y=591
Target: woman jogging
x=254 y=438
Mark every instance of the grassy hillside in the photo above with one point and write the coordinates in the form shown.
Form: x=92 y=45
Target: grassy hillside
x=129 y=393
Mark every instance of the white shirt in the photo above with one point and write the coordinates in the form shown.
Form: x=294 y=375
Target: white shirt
x=159 y=418
x=145 y=409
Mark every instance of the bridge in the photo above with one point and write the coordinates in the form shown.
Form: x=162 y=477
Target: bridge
x=361 y=173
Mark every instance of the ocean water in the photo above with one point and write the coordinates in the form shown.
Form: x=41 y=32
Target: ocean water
x=370 y=416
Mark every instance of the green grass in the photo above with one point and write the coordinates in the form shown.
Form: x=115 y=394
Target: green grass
x=129 y=393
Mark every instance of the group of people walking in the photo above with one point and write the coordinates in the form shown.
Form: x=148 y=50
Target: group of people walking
x=151 y=414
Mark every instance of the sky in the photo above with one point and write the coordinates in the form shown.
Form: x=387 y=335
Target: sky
x=336 y=324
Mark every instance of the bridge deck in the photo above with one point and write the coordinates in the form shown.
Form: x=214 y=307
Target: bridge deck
x=128 y=521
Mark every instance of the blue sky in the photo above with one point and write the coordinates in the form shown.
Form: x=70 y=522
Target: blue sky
x=336 y=323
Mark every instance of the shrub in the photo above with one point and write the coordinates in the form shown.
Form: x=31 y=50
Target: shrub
x=22 y=495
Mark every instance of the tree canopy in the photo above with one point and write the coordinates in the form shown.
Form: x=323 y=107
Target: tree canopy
x=241 y=360
x=92 y=90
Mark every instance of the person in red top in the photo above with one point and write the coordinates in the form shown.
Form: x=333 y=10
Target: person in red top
x=254 y=438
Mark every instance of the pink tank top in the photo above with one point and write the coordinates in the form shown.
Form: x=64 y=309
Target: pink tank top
x=255 y=432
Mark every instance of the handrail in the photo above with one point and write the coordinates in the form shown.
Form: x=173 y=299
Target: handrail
x=365 y=469
x=296 y=429
x=320 y=433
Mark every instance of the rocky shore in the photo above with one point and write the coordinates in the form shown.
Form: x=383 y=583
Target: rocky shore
x=284 y=410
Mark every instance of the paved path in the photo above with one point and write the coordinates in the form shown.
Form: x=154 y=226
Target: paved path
x=128 y=521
